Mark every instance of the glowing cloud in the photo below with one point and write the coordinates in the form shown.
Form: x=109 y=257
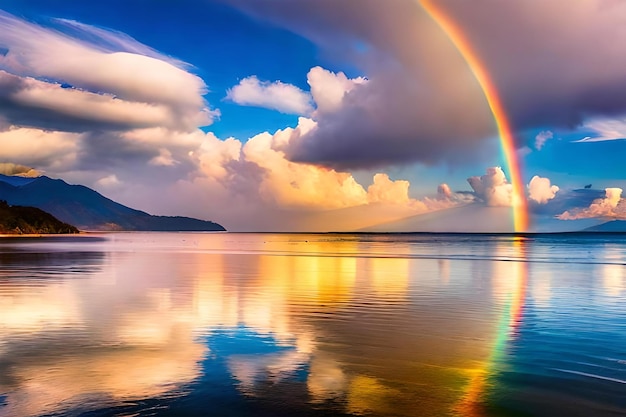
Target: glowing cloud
x=611 y=206
x=8 y=168
x=291 y=184
x=254 y=186
x=33 y=147
x=385 y=190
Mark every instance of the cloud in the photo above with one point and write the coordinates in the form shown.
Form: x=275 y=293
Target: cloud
x=58 y=81
x=376 y=124
x=32 y=103
x=444 y=191
x=451 y=198
x=540 y=190
x=493 y=188
x=611 y=206
x=113 y=40
x=328 y=89
x=385 y=190
x=292 y=184
x=108 y=181
x=8 y=168
x=163 y=159
x=253 y=186
x=260 y=166
x=285 y=98
x=603 y=129
x=422 y=103
x=37 y=148
x=542 y=137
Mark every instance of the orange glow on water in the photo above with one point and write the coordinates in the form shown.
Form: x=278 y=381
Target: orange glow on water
x=458 y=38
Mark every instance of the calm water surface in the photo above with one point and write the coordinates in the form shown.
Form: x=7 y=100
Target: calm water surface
x=173 y=324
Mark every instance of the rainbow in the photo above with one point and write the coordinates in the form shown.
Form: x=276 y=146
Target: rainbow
x=470 y=404
x=458 y=39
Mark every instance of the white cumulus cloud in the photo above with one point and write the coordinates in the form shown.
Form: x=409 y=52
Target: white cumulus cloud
x=286 y=98
x=540 y=190
x=493 y=187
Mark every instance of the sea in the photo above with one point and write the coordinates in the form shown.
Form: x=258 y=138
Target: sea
x=235 y=324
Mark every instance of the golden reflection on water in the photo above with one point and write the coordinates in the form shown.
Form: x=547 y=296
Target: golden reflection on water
x=389 y=276
x=359 y=324
x=55 y=308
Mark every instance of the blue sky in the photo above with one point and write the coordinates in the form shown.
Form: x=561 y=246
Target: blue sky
x=345 y=91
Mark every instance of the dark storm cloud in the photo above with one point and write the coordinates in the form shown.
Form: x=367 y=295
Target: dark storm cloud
x=553 y=63
x=390 y=120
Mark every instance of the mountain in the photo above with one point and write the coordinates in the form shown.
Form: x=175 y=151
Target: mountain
x=476 y=218
x=615 y=226
x=30 y=220
x=16 y=180
x=471 y=218
x=88 y=209
x=345 y=220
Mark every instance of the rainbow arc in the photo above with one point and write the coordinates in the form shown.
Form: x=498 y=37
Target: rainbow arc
x=505 y=133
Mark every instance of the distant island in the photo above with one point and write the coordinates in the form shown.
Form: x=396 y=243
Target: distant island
x=90 y=210
x=20 y=220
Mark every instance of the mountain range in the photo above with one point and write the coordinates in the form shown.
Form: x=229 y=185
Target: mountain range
x=89 y=210
x=610 y=226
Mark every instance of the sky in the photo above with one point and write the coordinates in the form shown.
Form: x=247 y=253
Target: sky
x=318 y=115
